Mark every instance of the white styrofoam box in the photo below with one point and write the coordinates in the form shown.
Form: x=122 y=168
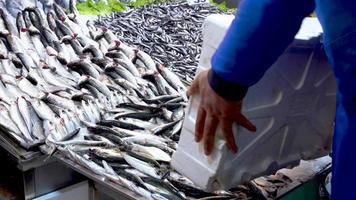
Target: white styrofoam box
x=79 y=191
x=214 y=29
x=292 y=106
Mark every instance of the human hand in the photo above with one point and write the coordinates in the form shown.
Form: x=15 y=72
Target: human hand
x=213 y=110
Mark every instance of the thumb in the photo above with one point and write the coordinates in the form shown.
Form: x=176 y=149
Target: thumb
x=194 y=88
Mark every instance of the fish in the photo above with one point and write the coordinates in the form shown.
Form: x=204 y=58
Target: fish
x=85 y=162
x=7 y=124
x=23 y=33
x=97 y=84
x=25 y=112
x=110 y=155
x=42 y=110
x=19 y=121
x=84 y=66
x=174 y=43
x=141 y=166
x=59 y=101
x=27 y=87
x=103 y=129
x=122 y=72
x=152 y=152
x=120 y=124
x=37 y=124
x=94 y=98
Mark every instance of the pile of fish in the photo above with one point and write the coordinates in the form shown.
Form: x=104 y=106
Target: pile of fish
x=81 y=92
x=169 y=32
x=15 y=6
x=101 y=103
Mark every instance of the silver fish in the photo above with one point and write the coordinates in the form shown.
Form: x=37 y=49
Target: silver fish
x=97 y=84
x=42 y=110
x=141 y=166
x=17 y=118
x=25 y=112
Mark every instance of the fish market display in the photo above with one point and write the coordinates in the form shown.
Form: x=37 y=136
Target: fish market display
x=169 y=32
x=79 y=91
x=90 y=97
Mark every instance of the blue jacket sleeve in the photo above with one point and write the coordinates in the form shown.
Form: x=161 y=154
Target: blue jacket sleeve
x=260 y=32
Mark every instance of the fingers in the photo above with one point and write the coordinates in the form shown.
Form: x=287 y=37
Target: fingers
x=211 y=124
x=243 y=121
x=199 y=126
x=226 y=126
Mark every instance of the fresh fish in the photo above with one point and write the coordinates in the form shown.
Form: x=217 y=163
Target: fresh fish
x=172 y=42
x=85 y=66
x=141 y=166
x=59 y=101
x=19 y=121
x=129 y=52
x=97 y=84
x=54 y=79
x=7 y=18
x=100 y=129
x=110 y=155
x=25 y=112
x=23 y=32
x=151 y=152
x=85 y=162
x=120 y=124
x=36 y=40
x=5 y=95
x=99 y=138
x=10 y=128
x=8 y=79
x=94 y=50
x=164 y=127
x=59 y=68
x=122 y=72
x=42 y=110
x=37 y=124
x=7 y=124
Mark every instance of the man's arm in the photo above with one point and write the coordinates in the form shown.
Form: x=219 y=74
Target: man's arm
x=259 y=34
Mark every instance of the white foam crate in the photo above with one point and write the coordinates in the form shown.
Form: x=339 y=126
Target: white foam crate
x=292 y=106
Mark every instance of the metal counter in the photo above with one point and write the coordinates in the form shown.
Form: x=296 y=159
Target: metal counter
x=35 y=174
x=101 y=188
x=41 y=175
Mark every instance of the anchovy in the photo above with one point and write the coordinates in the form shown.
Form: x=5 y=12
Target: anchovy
x=174 y=42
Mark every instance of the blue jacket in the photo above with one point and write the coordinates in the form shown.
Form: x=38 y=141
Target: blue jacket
x=264 y=28
x=261 y=32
